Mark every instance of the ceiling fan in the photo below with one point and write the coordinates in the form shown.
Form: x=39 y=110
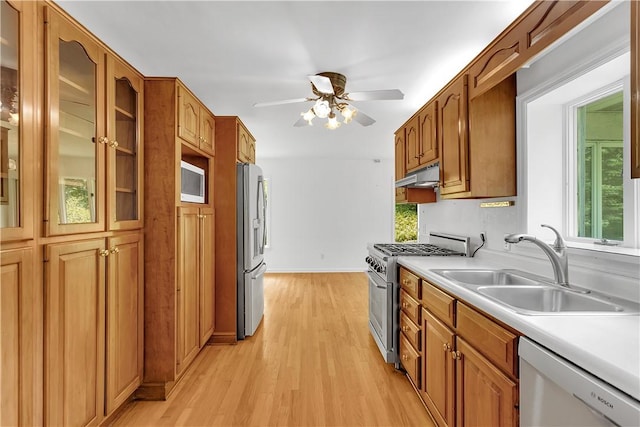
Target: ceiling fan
x=330 y=98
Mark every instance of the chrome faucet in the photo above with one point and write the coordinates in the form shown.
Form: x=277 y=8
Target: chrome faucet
x=557 y=253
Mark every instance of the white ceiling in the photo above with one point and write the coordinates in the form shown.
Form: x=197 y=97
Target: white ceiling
x=232 y=54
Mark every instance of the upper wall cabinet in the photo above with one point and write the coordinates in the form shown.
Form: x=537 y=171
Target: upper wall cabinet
x=17 y=125
x=125 y=98
x=544 y=23
x=94 y=134
x=76 y=136
x=421 y=138
x=196 y=125
x=453 y=137
x=635 y=90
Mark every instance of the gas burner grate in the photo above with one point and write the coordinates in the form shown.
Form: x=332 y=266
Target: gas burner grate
x=415 y=249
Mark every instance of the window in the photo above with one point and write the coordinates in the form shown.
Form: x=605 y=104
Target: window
x=599 y=152
x=77 y=205
x=576 y=153
x=406 y=229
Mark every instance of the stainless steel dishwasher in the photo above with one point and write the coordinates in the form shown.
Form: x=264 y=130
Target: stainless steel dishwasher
x=555 y=392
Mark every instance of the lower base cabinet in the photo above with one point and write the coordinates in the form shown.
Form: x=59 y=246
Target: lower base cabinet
x=93 y=328
x=467 y=373
x=485 y=395
x=18 y=364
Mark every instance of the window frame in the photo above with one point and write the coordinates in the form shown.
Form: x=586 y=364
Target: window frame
x=570 y=141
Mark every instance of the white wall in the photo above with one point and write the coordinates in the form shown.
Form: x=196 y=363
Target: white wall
x=324 y=211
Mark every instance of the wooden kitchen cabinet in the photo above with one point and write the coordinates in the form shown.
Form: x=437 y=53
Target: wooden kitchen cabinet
x=468 y=372
x=438 y=383
x=635 y=90
x=19 y=361
x=75 y=333
x=408 y=195
x=125 y=177
x=124 y=318
x=19 y=82
x=179 y=262
x=195 y=285
x=400 y=164
x=246 y=145
x=477 y=140
x=536 y=29
x=485 y=396
x=453 y=138
x=421 y=138
x=196 y=124
x=94 y=295
x=95 y=134
x=76 y=135
x=412 y=144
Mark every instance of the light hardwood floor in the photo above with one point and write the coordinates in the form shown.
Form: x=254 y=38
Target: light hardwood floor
x=312 y=362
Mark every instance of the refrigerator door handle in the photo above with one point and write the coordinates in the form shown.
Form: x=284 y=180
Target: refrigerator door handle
x=259 y=272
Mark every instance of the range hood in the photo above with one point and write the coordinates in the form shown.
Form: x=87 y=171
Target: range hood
x=428 y=177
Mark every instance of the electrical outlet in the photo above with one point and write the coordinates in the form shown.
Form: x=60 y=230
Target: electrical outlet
x=483 y=236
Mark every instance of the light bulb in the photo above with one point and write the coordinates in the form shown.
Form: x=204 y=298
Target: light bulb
x=321 y=108
x=332 y=122
x=308 y=116
x=348 y=114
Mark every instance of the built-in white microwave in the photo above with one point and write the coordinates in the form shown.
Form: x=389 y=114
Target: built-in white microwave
x=192 y=183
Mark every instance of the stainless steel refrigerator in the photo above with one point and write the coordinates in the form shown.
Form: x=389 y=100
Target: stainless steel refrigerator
x=251 y=209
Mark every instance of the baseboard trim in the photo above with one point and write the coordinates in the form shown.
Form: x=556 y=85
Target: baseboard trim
x=223 y=338
x=155 y=391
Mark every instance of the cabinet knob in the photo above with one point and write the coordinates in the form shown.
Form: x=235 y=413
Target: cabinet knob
x=405 y=357
x=405 y=282
x=104 y=252
x=113 y=144
x=456 y=355
x=103 y=140
x=114 y=250
x=446 y=347
x=405 y=328
x=405 y=305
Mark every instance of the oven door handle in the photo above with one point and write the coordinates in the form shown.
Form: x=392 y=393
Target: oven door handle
x=375 y=280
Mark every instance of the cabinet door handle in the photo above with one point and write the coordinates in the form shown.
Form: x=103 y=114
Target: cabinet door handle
x=405 y=357
x=104 y=252
x=103 y=140
x=405 y=305
x=456 y=355
x=113 y=144
x=446 y=347
x=405 y=328
x=114 y=250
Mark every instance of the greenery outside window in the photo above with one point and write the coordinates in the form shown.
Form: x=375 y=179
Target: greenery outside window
x=406 y=223
x=600 y=159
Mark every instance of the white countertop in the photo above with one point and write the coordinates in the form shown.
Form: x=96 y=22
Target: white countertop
x=607 y=346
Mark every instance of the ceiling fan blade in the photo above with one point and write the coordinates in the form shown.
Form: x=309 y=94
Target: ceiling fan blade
x=363 y=119
x=301 y=122
x=322 y=83
x=284 y=101
x=373 y=95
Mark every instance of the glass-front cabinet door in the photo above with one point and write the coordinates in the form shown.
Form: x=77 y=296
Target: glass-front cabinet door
x=17 y=141
x=76 y=140
x=124 y=149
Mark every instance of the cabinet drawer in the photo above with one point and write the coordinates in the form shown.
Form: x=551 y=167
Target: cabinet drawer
x=492 y=340
x=439 y=303
x=410 y=306
x=410 y=283
x=410 y=360
x=411 y=331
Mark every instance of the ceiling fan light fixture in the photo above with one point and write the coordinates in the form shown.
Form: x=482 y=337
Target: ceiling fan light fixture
x=332 y=122
x=308 y=116
x=348 y=113
x=322 y=108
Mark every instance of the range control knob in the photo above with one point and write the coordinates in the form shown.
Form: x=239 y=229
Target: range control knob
x=368 y=260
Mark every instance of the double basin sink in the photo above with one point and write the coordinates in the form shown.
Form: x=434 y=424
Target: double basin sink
x=530 y=294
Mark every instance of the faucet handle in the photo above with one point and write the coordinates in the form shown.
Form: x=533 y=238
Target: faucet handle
x=559 y=243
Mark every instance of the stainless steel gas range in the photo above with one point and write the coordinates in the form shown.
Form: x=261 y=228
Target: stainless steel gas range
x=384 y=289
